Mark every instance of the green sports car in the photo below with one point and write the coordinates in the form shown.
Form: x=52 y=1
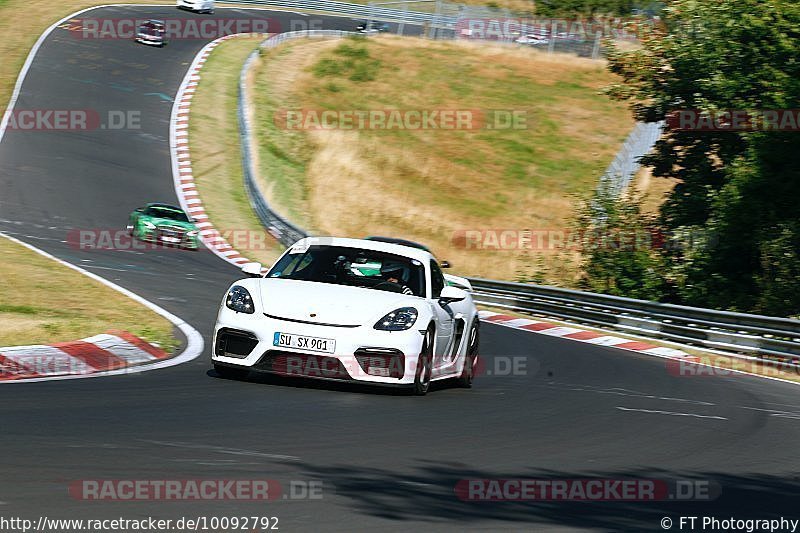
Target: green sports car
x=164 y=224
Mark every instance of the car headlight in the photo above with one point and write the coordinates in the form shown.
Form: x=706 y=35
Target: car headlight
x=398 y=320
x=239 y=300
x=149 y=225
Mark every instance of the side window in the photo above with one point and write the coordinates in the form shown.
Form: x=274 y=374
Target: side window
x=437 y=280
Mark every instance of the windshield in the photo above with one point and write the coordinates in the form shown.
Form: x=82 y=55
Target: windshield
x=166 y=212
x=355 y=267
x=151 y=28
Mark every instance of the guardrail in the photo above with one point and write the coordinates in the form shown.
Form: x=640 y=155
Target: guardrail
x=279 y=227
x=756 y=335
x=357 y=10
x=623 y=168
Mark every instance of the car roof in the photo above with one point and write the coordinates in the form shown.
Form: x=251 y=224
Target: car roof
x=403 y=250
x=395 y=240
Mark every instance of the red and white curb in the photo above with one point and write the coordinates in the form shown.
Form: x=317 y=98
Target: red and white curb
x=183 y=177
x=582 y=335
x=114 y=350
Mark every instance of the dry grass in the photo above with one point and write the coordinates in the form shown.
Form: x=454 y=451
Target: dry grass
x=432 y=185
x=216 y=156
x=44 y=311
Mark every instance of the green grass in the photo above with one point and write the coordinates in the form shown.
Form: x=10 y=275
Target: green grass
x=216 y=151
x=54 y=304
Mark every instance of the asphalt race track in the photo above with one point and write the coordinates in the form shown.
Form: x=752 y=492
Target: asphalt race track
x=385 y=460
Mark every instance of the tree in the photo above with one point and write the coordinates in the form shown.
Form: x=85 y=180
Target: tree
x=742 y=187
x=619 y=247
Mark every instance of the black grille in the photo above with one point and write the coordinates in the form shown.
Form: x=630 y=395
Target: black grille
x=171 y=231
x=301 y=365
x=384 y=362
x=234 y=343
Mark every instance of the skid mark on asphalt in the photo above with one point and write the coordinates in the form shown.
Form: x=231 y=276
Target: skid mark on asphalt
x=163 y=96
x=222 y=449
x=106 y=268
x=775 y=412
x=626 y=392
x=670 y=413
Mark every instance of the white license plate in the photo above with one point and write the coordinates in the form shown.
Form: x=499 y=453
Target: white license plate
x=302 y=342
x=170 y=239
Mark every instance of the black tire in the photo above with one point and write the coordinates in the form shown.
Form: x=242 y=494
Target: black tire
x=422 y=379
x=227 y=372
x=471 y=357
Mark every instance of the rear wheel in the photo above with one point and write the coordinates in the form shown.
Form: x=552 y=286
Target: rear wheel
x=471 y=357
x=422 y=380
x=230 y=373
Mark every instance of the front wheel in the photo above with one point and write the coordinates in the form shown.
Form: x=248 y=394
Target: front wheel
x=471 y=357
x=422 y=380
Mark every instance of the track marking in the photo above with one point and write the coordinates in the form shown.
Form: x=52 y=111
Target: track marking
x=671 y=413
x=775 y=412
x=633 y=394
x=223 y=449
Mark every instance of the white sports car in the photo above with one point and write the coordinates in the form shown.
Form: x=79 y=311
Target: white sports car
x=198 y=6
x=374 y=310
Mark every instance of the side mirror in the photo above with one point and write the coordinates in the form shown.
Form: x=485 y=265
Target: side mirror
x=445 y=264
x=252 y=270
x=451 y=294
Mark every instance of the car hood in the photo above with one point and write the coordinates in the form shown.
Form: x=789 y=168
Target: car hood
x=170 y=222
x=332 y=304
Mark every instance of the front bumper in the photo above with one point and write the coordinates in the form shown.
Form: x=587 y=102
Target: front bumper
x=150 y=40
x=362 y=354
x=183 y=241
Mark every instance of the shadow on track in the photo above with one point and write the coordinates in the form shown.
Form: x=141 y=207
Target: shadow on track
x=262 y=378
x=430 y=496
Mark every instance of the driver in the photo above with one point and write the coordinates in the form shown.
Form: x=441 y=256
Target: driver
x=393 y=273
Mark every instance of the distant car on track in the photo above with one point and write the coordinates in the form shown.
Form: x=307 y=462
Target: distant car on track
x=372 y=26
x=164 y=224
x=356 y=310
x=533 y=39
x=198 y=6
x=151 y=32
